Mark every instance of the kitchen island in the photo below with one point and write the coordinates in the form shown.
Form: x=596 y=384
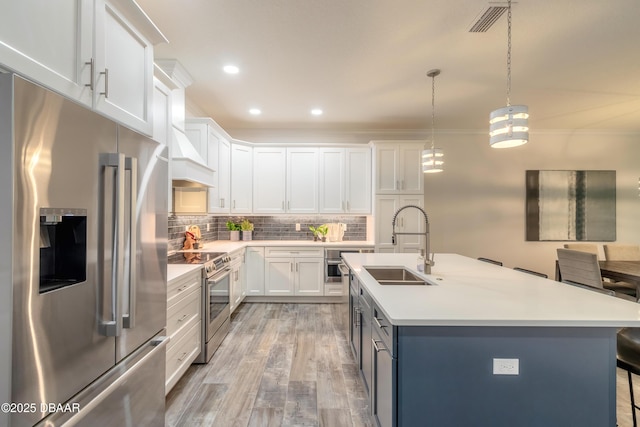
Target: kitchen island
x=484 y=345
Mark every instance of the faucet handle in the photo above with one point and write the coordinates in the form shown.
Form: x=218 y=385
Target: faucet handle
x=432 y=261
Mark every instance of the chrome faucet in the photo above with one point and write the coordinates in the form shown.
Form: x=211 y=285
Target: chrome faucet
x=428 y=263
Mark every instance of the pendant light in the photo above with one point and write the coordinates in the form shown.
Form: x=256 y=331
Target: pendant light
x=509 y=126
x=433 y=158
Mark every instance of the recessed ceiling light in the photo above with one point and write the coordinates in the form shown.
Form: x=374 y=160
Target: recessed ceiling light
x=316 y=112
x=255 y=111
x=231 y=69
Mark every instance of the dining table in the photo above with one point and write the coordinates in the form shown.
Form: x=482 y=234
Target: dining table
x=622 y=271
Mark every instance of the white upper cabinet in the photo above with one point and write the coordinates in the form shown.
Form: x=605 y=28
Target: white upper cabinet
x=99 y=53
x=50 y=42
x=285 y=180
x=302 y=180
x=399 y=168
x=219 y=195
x=123 y=63
x=408 y=221
x=345 y=180
x=241 y=179
x=269 y=179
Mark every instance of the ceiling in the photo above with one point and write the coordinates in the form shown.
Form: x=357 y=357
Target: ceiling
x=575 y=63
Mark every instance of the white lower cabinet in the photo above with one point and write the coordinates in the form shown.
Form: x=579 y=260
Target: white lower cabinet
x=254 y=271
x=236 y=285
x=294 y=271
x=184 y=302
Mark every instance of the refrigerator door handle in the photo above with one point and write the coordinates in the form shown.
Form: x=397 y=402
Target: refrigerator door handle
x=112 y=326
x=129 y=318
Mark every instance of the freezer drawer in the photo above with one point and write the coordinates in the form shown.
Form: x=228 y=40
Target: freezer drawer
x=130 y=394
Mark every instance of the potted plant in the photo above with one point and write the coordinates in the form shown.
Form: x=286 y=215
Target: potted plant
x=319 y=232
x=247 y=229
x=234 y=231
x=314 y=230
x=322 y=231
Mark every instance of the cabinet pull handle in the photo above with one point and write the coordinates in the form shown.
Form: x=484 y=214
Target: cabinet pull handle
x=296 y=266
x=357 y=322
x=375 y=346
x=283 y=205
x=378 y=323
x=182 y=288
x=222 y=202
x=289 y=205
x=181 y=358
x=348 y=207
x=106 y=83
x=90 y=64
x=184 y=316
x=397 y=185
x=234 y=204
x=291 y=266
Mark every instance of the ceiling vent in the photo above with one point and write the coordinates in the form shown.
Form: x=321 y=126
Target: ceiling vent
x=487 y=18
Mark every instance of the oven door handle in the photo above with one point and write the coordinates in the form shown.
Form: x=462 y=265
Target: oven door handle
x=342 y=266
x=218 y=278
x=333 y=262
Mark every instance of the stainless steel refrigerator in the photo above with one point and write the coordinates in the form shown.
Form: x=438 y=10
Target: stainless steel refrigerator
x=88 y=246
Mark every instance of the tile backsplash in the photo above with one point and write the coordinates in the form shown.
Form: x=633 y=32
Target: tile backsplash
x=265 y=227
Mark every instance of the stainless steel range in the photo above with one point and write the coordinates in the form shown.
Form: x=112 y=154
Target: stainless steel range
x=215 y=297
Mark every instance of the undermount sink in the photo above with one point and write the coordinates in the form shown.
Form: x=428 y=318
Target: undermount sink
x=394 y=276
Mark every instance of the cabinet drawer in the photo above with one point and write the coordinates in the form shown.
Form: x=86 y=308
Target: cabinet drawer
x=181 y=354
x=183 y=312
x=182 y=285
x=334 y=290
x=384 y=328
x=296 y=252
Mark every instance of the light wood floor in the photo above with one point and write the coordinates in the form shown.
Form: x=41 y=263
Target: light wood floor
x=289 y=365
x=280 y=365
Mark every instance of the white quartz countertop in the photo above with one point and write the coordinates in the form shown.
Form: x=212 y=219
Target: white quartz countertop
x=229 y=246
x=468 y=292
x=176 y=270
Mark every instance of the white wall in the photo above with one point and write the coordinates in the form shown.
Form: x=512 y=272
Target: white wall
x=476 y=206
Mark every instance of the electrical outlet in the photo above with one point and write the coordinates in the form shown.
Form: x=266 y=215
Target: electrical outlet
x=345 y=227
x=506 y=366
x=208 y=227
x=297 y=227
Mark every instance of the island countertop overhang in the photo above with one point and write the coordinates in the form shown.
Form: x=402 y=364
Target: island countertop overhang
x=467 y=292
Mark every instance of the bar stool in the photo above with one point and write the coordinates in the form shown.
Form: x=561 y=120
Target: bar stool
x=628 y=358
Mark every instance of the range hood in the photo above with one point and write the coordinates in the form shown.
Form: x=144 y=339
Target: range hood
x=188 y=168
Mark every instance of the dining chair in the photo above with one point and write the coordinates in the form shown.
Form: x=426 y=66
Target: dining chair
x=628 y=359
x=581 y=269
x=535 y=273
x=591 y=248
x=491 y=261
x=620 y=252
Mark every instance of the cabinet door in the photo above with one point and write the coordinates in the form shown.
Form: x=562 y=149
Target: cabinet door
x=224 y=187
x=51 y=43
x=358 y=182
x=382 y=401
x=269 y=180
x=387 y=179
x=279 y=276
x=241 y=179
x=235 y=288
x=411 y=177
x=365 y=344
x=411 y=220
x=309 y=276
x=386 y=207
x=332 y=180
x=162 y=123
x=254 y=280
x=123 y=71
x=302 y=180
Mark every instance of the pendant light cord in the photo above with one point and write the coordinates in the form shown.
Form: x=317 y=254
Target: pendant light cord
x=433 y=116
x=509 y=54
